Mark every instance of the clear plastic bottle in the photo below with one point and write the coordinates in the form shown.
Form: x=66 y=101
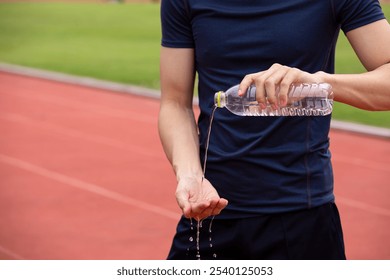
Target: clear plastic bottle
x=303 y=100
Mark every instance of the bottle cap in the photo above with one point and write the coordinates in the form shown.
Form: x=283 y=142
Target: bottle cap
x=219 y=99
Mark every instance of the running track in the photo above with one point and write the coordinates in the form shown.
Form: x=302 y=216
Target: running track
x=83 y=176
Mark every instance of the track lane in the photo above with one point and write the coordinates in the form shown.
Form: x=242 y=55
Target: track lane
x=104 y=139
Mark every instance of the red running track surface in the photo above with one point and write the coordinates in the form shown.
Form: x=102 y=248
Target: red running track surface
x=83 y=176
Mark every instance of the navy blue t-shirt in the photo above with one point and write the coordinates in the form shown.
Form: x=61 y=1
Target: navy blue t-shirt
x=263 y=164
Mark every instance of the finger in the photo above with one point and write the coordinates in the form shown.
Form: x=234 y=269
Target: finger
x=203 y=215
x=265 y=86
x=291 y=76
x=222 y=203
x=214 y=209
x=245 y=84
x=271 y=85
x=210 y=209
x=186 y=209
x=198 y=208
x=183 y=202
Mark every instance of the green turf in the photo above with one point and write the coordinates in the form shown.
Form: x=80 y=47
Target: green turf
x=115 y=42
x=106 y=41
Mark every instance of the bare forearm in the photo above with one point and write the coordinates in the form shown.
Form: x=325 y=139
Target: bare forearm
x=177 y=126
x=368 y=91
x=179 y=137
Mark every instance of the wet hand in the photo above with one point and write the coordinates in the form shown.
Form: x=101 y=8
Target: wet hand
x=198 y=199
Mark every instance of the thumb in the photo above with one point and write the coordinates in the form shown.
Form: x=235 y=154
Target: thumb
x=184 y=204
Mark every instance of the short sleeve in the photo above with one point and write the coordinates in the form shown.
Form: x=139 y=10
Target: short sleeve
x=353 y=14
x=176 y=24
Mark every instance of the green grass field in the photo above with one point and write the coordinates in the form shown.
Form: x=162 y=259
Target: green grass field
x=106 y=41
x=115 y=42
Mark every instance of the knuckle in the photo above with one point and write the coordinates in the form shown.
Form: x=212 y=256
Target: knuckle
x=248 y=77
x=284 y=84
x=294 y=72
x=284 y=67
x=260 y=98
x=271 y=99
x=259 y=82
x=269 y=82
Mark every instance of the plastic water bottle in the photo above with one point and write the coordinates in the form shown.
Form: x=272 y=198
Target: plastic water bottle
x=303 y=100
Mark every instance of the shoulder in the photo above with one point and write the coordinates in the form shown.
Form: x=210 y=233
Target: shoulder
x=351 y=14
x=176 y=24
x=175 y=6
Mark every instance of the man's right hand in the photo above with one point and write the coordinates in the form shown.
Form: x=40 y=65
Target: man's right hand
x=198 y=199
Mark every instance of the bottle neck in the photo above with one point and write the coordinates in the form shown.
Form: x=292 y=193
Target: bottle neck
x=220 y=99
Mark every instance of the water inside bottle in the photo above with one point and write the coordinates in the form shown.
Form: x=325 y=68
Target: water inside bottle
x=308 y=106
x=303 y=100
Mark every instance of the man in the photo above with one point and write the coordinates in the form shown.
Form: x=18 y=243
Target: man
x=269 y=180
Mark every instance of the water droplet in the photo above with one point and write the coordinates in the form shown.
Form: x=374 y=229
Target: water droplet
x=214 y=255
x=191 y=239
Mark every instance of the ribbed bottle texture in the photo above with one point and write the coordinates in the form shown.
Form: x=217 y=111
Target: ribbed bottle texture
x=303 y=100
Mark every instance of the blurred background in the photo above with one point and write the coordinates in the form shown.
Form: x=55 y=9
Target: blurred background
x=115 y=42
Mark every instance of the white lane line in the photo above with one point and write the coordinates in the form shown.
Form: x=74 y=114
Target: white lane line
x=140 y=204
x=10 y=253
x=143 y=150
x=361 y=129
x=363 y=206
x=143 y=205
x=88 y=105
x=375 y=165
x=96 y=189
x=80 y=80
x=366 y=163
x=146 y=92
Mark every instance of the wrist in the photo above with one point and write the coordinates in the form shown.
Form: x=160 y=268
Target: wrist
x=195 y=173
x=323 y=77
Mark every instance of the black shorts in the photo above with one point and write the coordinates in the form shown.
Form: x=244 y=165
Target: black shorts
x=301 y=235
